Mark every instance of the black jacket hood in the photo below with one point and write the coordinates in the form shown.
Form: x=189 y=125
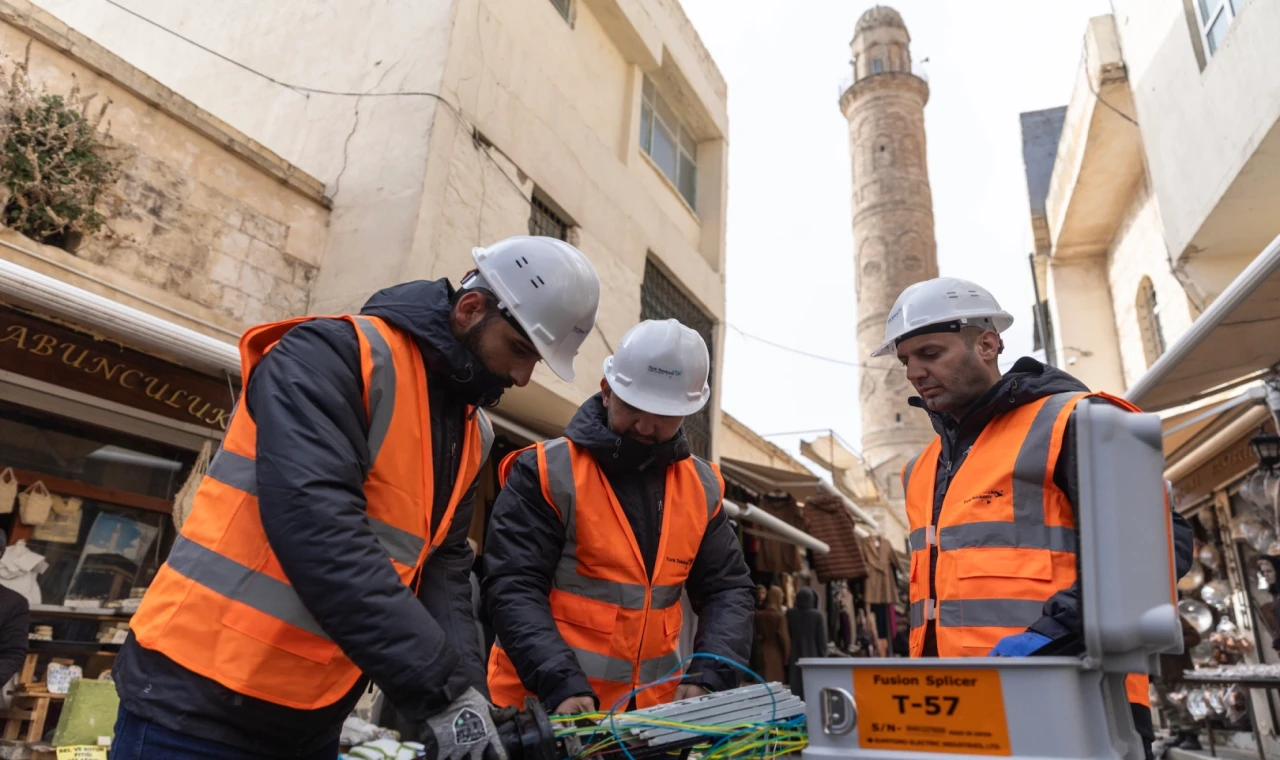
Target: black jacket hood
x=806 y=599
x=1026 y=381
x=422 y=309
x=615 y=453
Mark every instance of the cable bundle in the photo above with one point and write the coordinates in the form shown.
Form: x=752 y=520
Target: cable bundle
x=739 y=723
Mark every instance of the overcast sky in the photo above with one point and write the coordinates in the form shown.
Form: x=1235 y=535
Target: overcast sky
x=790 y=239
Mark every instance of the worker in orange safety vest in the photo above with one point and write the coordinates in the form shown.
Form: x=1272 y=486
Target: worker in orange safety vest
x=595 y=536
x=326 y=544
x=991 y=500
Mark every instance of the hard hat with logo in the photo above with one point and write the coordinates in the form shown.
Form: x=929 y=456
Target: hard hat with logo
x=548 y=287
x=943 y=304
x=661 y=367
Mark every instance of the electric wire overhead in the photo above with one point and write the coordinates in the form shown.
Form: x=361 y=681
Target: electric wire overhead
x=478 y=139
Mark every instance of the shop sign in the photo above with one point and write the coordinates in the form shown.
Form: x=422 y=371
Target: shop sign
x=70 y=359
x=1235 y=460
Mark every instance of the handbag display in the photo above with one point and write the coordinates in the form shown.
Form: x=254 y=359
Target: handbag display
x=35 y=503
x=63 y=525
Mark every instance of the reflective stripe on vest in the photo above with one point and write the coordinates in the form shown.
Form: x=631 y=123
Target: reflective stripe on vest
x=241 y=472
x=906 y=472
x=235 y=581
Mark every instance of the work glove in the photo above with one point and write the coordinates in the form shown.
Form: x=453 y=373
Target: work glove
x=464 y=729
x=1019 y=644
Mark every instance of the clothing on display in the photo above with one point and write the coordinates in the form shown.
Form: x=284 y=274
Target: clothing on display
x=808 y=629
x=19 y=568
x=827 y=520
x=774 y=638
x=882 y=614
x=779 y=556
x=882 y=586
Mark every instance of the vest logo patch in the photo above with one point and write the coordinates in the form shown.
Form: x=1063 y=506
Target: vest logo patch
x=986 y=497
x=678 y=561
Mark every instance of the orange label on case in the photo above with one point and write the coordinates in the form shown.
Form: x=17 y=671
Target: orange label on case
x=951 y=710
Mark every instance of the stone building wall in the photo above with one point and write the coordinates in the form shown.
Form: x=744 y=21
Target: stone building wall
x=203 y=227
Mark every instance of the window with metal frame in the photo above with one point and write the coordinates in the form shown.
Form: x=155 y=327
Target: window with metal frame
x=565 y=7
x=1215 y=18
x=1148 y=313
x=669 y=142
x=661 y=298
x=545 y=222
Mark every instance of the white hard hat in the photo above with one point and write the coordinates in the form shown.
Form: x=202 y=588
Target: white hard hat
x=661 y=367
x=548 y=287
x=942 y=301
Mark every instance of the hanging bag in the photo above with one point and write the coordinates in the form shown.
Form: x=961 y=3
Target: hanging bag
x=35 y=503
x=8 y=490
x=187 y=494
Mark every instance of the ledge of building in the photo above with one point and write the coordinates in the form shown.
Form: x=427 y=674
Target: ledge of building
x=885 y=81
x=1099 y=159
x=48 y=29
x=777 y=456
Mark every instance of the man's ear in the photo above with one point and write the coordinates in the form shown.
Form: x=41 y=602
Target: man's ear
x=605 y=391
x=990 y=346
x=468 y=310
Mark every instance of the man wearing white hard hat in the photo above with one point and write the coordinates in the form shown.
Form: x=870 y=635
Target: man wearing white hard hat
x=595 y=536
x=326 y=545
x=991 y=501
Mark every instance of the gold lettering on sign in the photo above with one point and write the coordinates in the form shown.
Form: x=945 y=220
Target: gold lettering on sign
x=195 y=401
x=44 y=345
x=16 y=334
x=66 y=355
x=151 y=388
x=107 y=369
x=219 y=418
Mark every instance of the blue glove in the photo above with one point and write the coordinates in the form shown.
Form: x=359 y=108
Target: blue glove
x=1019 y=644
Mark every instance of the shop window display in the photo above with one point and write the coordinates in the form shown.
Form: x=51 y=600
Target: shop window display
x=107 y=528
x=1227 y=603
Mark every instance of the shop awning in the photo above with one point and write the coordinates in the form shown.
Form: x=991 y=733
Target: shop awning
x=29 y=289
x=1232 y=342
x=1184 y=427
x=766 y=479
x=848 y=470
x=773 y=528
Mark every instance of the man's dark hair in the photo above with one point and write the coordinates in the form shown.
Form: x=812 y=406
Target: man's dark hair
x=492 y=308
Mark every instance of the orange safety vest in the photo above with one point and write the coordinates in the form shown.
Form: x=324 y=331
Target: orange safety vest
x=1006 y=535
x=222 y=607
x=622 y=625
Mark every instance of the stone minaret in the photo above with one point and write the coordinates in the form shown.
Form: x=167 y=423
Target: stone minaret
x=892 y=230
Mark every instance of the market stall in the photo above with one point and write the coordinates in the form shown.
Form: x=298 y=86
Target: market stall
x=1219 y=395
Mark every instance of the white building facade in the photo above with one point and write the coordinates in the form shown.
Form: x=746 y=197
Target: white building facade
x=440 y=125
